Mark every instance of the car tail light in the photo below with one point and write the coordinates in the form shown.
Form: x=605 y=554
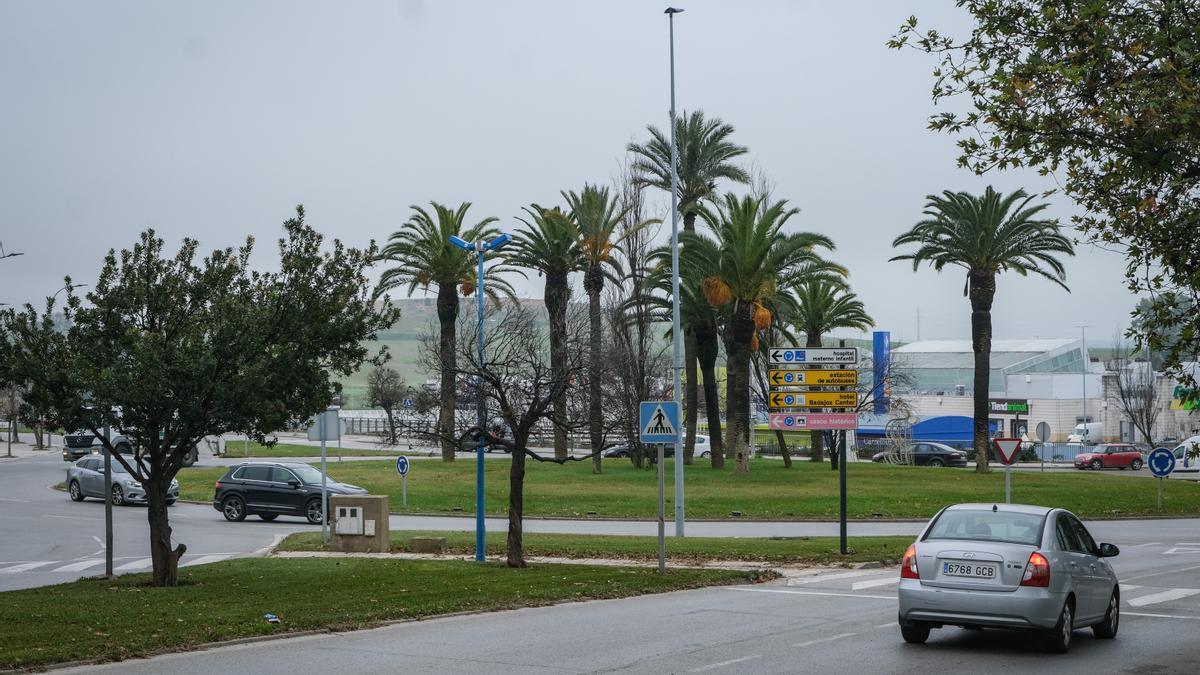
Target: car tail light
x=908 y=566
x=1037 y=571
x=217 y=485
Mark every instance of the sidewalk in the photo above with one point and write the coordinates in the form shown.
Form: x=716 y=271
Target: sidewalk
x=25 y=451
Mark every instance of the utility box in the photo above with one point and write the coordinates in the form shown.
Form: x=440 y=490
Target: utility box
x=360 y=523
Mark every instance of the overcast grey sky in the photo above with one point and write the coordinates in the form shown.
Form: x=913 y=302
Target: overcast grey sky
x=214 y=119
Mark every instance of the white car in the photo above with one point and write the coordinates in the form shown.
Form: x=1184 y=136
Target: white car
x=1186 y=461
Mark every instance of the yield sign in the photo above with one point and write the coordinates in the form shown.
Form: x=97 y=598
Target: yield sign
x=1008 y=448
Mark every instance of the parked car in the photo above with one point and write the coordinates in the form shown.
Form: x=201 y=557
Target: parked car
x=83 y=442
x=1187 y=455
x=703 y=449
x=1008 y=566
x=85 y=478
x=271 y=489
x=930 y=454
x=1111 y=456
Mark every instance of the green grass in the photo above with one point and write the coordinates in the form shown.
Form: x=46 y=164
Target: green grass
x=797 y=550
x=768 y=492
x=235 y=449
x=126 y=617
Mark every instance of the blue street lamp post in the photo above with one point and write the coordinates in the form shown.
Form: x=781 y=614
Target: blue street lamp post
x=480 y=248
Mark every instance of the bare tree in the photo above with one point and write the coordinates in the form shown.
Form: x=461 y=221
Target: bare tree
x=1134 y=389
x=386 y=390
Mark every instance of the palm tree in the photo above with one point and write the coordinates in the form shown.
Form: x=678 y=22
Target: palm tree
x=757 y=263
x=598 y=218
x=985 y=236
x=421 y=254
x=821 y=307
x=550 y=244
x=705 y=156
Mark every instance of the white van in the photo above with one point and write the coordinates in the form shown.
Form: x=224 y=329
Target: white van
x=1184 y=462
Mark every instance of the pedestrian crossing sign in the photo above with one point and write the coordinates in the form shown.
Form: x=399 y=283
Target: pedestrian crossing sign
x=659 y=421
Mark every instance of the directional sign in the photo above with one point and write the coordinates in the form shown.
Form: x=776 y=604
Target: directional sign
x=814 y=356
x=813 y=399
x=813 y=421
x=408 y=404
x=1161 y=462
x=1008 y=449
x=658 y=421
x=402 y=465
x=1043 y=432
x=814 y=378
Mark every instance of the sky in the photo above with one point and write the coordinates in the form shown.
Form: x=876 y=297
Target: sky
x=213 y=120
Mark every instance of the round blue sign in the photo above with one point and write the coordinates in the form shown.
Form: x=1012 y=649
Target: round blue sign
x=789 y=399
x=788 y=421
x=408 y=403
x=788 y=377
x=402 y=465
x=1161 y=462
x=787 y=356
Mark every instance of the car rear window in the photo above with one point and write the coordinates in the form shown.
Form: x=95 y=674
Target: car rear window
x=253 y=473
x=987 y=525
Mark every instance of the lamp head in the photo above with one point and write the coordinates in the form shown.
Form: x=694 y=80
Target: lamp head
x=461 y=243
x=672 y=10
x=498 y=242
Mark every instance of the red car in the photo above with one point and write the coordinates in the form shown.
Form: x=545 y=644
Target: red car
x=1110 y=456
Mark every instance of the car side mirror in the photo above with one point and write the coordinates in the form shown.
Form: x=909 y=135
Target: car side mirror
x=1108 y=551
x=296 y=484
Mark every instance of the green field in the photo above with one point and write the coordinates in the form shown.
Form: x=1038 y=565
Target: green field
x=125 y=617
x=768 y=492
x=786 y=550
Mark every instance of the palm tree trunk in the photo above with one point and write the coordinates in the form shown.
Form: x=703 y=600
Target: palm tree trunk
x=557 y=294
x=691 y=394
x=982 y=290
x=737 y=396
x=816 y=438
x=706 y=355
x=593 y=284
x=447 y=310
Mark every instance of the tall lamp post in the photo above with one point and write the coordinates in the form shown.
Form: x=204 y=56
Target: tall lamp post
x=480 y=248
x=1084 y=417
x=677 y=340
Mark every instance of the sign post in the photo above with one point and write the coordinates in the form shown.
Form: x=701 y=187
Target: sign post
x=402 y=469
x=658 y=424
x=325 y=427
x=1043 y=435
x=1008 y=449
x=1161 y=462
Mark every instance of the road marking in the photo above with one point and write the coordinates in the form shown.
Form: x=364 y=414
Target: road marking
x=722 y=664
x=831 y=638
x=1165 y=596
x=98 y=541
x=1129 y=587
x=1153 y=543
x=890 y=624
x=1158 y=574
x=828 y=577
x=1161 y=616
x=829 y=593
x=204 y=560
x=51 y=515
x=25 y=567
x=19 y=501
x=140 y=562
x=1182 y=548
x=859 y=585
x=81 y=565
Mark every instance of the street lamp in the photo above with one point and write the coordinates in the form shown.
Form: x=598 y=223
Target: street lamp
x=4 y=255
x=677 y=338
x=68 y=287
x=480 y=248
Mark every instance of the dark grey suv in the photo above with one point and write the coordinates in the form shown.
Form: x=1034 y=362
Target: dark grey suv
x=271 y=489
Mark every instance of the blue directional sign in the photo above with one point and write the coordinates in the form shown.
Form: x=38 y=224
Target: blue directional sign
x=402 y=465
x=1161 y=462
x=658 y=421
x=408 y=404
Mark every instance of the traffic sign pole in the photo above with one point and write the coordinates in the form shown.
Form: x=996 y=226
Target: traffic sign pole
x=1160 y=482
x=1007 y=484
x=841 y=449
x=662 y=509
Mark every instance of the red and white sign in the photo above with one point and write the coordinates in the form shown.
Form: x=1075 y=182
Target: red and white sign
x=813 y=421
x=1008 y=449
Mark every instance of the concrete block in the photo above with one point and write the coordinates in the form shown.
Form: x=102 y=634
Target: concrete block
x=427 y=545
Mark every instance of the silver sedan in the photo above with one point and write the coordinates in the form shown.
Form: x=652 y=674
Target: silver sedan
x=85 y=478
x=1008 y=566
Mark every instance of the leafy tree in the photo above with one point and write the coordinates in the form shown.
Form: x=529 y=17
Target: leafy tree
x=1104 y=95
x=705 y=156
x=551 y=244
x=757 y=262
x=386 y=390
x=169 y=349
x=822 y=307
x=986 y=235
x=420 y=254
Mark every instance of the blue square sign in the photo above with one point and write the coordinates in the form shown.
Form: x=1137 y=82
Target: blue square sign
x=658 y=422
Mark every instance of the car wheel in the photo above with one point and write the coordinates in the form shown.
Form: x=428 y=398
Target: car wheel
x=312 y=511
x=914 y=633
x=1107 y=629
x=706 y=453
x=1136 y=465
x=1059 y=639
x=117 y=496
x=1096 y=464
x=75 y=492
x=268 y=516
x=234 y=509
x=936 y=462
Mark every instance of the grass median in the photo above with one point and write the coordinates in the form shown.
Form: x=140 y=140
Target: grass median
x=783 y=550
x=126 y=617
x=238 y=449
x=807 y=491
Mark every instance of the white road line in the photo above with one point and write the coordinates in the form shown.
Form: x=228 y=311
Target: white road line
x=204 y=560
x=25 y=567
x=1129 y=587
x=722 y=664
x=828 y=593
x=859 y=585
x=1161 y=616
x=890 y=624
x=1165 y=596
x=796 y=581
x=1153 y=543
x=81 y=565
x=98 y=541
x=136 y=564
x=1158 y=574
x=831 y=638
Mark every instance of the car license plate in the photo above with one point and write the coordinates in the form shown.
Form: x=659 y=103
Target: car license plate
x=973 y=570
